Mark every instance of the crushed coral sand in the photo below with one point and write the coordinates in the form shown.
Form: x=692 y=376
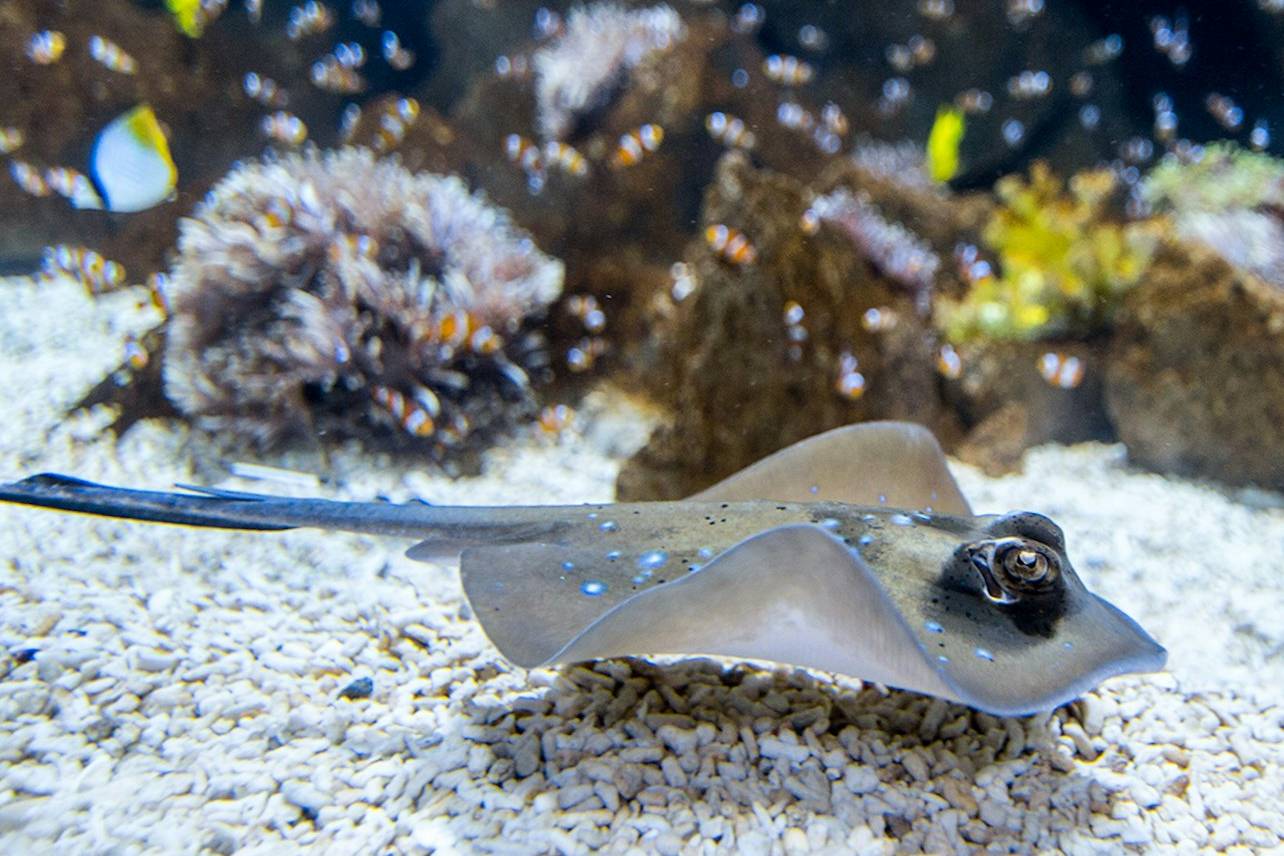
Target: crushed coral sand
x=176 y=690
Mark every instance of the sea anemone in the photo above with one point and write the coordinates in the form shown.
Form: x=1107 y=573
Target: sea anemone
x=602 y=44
x=340 y=294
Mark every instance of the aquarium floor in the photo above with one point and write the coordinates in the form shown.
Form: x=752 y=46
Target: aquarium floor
x=185 y=688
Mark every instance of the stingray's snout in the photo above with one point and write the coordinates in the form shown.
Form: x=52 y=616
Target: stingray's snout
x=1143 y=652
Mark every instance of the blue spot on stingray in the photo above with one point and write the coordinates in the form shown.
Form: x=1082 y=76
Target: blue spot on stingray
x=592 y=515
x=985 y=655
x=868 y=518
x=865 y=540
x=568 y=566
x=704 y=553
x=694 y=568
x=608 y=526
x=592 y=588
x=1067 y=645
x=829 y=523
x=652 y=559
x=814 y=489
x=613 y=555
x=882 y=499
x=933 y=627
x=942 y=658
x=641 y=578
x=900 y=520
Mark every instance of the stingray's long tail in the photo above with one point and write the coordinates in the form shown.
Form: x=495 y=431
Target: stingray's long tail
x=216 y=508
x=446 y=528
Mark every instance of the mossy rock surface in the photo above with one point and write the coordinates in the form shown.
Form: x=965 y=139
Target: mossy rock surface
x=1195 y=382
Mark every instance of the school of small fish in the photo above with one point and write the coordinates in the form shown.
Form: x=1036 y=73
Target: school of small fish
x=131 y=169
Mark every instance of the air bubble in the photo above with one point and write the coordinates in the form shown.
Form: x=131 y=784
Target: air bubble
x=1013 y=132
x=592 y=588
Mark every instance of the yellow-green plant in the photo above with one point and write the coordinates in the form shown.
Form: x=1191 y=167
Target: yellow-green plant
x=1062 y=263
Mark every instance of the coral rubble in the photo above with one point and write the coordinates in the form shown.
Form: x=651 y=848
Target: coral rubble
x=339 y=293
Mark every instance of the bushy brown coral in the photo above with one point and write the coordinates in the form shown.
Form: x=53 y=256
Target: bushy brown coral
x=340 y=294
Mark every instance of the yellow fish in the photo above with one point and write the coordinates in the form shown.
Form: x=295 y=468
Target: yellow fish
x=130 y=166
x=943 y=143
x=188 y=15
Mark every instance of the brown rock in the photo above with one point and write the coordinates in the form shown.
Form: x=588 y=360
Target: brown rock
x=739 y=387
x=1003 y=394
x=1195 y=382
x=996 y=444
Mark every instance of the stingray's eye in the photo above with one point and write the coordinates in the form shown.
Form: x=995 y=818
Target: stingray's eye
x=1013 y=567
x=1026 y=564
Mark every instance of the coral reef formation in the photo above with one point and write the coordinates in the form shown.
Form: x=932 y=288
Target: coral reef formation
x=1195 y=381
x=1063 y=263
x=598 y=128
x=340 y=294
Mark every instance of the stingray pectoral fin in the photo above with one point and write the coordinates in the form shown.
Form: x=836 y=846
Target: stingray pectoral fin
x=898 y=464
x=793 y=594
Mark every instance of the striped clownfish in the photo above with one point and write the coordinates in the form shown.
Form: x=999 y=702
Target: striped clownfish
x=130 y=165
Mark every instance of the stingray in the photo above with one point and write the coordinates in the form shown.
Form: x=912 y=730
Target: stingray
x=853 y=552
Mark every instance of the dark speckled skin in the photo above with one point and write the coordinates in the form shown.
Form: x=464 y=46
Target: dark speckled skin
x=819 y=577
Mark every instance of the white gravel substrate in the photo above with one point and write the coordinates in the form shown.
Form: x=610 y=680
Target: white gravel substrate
x=185 y=689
